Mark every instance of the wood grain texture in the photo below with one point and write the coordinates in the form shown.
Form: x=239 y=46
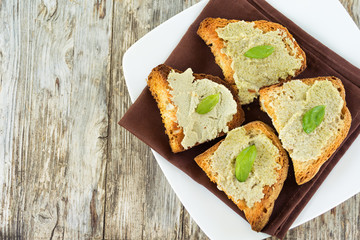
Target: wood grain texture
x=353 y=8
x=54 y=118
x=67 y=170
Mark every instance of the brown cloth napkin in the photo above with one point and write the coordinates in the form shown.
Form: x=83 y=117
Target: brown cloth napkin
x=144 y=121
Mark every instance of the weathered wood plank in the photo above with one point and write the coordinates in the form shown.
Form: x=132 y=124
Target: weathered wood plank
x=54 y=72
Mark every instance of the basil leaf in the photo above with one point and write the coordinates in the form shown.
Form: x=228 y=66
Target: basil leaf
x=261 y=51
x=244 y=163
x=208 y=103
x=313 y=118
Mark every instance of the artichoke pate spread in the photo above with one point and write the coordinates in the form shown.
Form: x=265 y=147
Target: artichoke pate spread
x=263 y=170
x=252 y=74
x=187 y=94
x=292 y=102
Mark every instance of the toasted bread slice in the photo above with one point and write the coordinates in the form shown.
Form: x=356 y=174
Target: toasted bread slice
x=162 y=92
x=286 y=103
x=259 y=212
x=208 y=32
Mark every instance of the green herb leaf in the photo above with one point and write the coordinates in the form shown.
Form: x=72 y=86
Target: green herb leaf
x=261 y=51
x=208 y=103
x=244 y=163
x=313 y=118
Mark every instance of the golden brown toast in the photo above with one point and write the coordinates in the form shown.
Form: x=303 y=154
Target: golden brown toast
x=207 y=31
x=160 y=89
x=258 y=215
x=306 y=170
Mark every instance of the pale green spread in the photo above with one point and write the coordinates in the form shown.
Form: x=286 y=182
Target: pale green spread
x=252 y=74
x=186 y=95
x=292 y=101
x=263 y=170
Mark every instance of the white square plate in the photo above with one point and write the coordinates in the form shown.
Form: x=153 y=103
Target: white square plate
x=331 y=25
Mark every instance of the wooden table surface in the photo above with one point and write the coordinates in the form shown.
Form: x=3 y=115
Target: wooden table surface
x=67 y=170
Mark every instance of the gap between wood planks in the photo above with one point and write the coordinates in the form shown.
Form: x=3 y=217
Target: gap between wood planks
x=109 y=104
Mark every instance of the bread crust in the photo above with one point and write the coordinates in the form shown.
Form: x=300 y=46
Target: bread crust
x=306 y=170
x=258 y=215
x=160 y=90
x=207 y=31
